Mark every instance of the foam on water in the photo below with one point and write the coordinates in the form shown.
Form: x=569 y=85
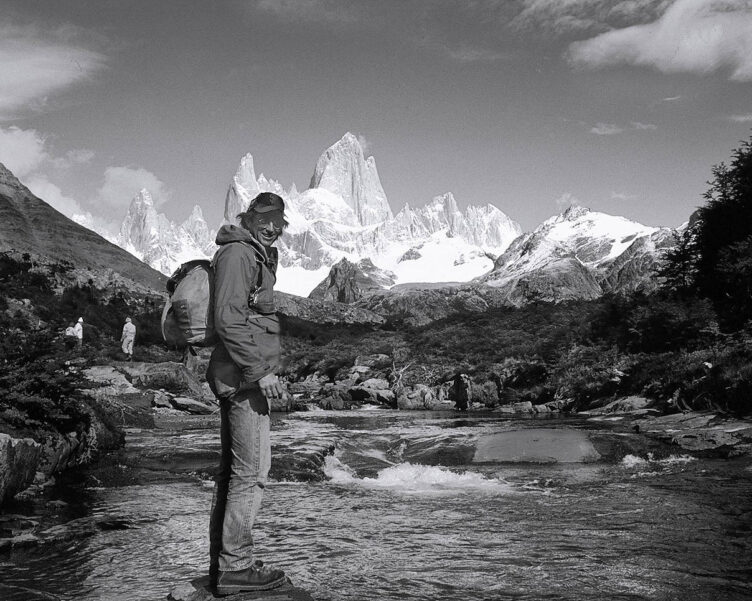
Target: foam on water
x=411 y=478
x=634 y=461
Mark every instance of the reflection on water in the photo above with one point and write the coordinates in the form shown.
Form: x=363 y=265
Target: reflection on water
x=404 y=514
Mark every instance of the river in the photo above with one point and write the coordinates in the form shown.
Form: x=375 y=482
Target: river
x=403 y=509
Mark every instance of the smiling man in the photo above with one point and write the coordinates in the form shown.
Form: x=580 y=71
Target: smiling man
x=242 y=375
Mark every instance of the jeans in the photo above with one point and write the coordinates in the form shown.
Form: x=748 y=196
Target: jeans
x=240 y=480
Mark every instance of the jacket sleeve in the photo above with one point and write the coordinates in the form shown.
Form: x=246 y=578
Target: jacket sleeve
x=235 y=271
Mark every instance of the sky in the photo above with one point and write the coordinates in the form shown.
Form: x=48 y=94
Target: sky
x=622 y=106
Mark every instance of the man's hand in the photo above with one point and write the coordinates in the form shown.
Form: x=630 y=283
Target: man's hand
x=271 y=387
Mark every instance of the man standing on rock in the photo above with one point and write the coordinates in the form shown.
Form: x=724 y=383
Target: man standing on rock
x=127 y=338
x=242 y=376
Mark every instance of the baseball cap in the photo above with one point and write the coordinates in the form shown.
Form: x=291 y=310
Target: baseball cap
x=267 y=202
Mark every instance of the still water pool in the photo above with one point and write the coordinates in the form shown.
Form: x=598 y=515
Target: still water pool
x=402 y=512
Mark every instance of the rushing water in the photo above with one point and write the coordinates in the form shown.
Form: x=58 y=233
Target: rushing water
x=404 y=513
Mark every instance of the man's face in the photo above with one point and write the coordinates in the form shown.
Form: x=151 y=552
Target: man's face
x=267 y=227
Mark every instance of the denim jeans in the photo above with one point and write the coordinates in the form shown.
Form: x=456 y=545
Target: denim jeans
x=240 y=480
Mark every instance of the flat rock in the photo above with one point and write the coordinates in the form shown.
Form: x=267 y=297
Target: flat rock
x=536 y=445
x=198 y=590
x=192 y=405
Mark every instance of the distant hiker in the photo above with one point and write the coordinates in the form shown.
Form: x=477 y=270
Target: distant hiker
x=70 y=338
x=127 y=338
x=242 y=375
x=78 y=332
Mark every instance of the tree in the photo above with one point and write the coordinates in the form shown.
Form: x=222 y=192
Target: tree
x=713 y=255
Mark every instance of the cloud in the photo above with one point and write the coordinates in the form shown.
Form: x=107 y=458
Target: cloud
x=22 y=150
x=365 y=144
x=741 y=118
x=606 y=129
x=692 y=36
x=671 y=99
x=35 y=64
x=610 y=129
x=122 y=184
x=322 y=11
x=575 y=18
x=622 y=196
x=41 y=187
x=79 y=156
x=566 y=200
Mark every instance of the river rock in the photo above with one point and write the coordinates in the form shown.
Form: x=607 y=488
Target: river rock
x=523 y=407
x=115 y=396
x=376 y=361
x=192 y=405
x=199 y=590
x=629 y=404
x=18 y=464
x=376 y=384
x=536 y=445
x=162 y=399
x=169 y=375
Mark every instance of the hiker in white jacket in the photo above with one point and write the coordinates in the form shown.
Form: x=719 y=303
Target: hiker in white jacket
x=127 y=338
x=78 y=332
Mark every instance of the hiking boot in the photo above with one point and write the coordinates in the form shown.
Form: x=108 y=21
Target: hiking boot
x=255 y=578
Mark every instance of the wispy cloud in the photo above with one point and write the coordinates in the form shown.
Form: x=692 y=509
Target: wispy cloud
x=323 y=11
x=610 y=129
x=606 y=129
x=35 y=64
x=692 y=36
x=741 y=118
x=642 y=126
x=122 y=184
x=671 y=99
x=566 y=200
x=622 y=196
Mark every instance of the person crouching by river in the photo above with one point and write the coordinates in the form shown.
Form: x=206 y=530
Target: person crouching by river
x=242 y=375
x=127 y=338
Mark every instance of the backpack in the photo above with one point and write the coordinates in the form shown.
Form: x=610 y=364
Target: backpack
x=188 y=314
x=69 y=331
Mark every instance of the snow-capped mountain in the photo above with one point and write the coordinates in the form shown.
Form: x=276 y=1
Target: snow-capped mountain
x=579 y=254
x=160 y=243
x=344 y=170
x=345 y=215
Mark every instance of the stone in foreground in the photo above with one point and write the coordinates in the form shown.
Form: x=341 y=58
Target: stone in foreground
x=536 y=445
x=199 y=590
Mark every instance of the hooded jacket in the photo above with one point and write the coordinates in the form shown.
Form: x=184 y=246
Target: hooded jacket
x=244 y=312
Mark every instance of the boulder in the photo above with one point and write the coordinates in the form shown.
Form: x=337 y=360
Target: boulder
x=536 y=445
x=629 y=404
x=18 y=464
x=418 y=396
x=169 y=375
x=376 y=383
x=116 y=399
x=376 y=361
x=162 y=399
x=524 y=407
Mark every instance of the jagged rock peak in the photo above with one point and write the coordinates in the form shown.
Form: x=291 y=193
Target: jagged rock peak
x=348 y=281
x=344 y=170
x=243 y=188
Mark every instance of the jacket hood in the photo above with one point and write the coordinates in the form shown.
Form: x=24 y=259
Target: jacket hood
x=234 y=233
